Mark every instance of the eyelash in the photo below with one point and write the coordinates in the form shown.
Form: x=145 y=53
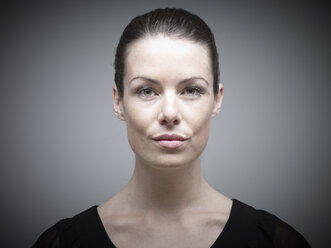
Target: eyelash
x=142 y=91
x=198 y=91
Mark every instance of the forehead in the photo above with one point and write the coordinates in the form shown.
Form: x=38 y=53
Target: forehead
x=167 y=58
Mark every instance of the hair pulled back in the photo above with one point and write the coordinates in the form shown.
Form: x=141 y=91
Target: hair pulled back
x=173 y=22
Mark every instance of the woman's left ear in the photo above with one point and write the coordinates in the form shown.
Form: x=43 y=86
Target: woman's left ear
x=218 y=101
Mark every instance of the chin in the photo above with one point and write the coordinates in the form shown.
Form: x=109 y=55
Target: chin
x=169 y=161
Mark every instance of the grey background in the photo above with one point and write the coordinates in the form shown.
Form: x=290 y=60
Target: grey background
x=63 y=150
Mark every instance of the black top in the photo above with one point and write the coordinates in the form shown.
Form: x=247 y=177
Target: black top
x=246 y=227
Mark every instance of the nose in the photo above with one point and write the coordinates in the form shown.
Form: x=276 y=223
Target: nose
x=169 y=114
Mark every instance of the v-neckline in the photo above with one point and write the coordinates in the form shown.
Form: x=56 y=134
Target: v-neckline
x=103 y=237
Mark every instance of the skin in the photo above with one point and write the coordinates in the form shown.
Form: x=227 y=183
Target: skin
x=168 y=89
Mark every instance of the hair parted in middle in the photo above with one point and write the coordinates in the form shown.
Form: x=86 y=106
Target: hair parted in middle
x=171 y=22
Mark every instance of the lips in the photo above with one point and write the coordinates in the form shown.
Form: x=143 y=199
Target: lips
x=170 y=141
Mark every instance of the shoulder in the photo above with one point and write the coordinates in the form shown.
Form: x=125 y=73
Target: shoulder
x=59 y=235
x=70 y=232
x=264 y=229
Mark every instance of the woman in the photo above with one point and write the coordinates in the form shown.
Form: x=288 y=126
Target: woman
x=167 y=90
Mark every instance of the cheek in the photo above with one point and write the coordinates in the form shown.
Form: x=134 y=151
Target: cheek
x=198 y=119
x=201 y=131
x=199 y=114
x=137 y=122
x=135 y=115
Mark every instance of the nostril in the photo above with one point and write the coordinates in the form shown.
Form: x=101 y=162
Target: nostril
x=168 y=122
x=164 y=122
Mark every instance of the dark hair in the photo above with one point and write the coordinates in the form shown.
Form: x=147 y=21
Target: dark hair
x=171 y=22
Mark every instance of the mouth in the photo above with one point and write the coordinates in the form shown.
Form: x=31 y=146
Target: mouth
x=170 y=141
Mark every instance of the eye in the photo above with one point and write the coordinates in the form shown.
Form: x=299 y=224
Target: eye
x=146 y=92
x=192 y=91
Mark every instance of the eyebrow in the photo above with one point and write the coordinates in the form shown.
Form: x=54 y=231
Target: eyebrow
x=157 y=82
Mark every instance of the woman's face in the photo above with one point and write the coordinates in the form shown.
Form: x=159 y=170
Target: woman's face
x=168 y=100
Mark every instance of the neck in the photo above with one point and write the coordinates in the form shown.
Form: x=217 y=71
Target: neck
x=166 y=189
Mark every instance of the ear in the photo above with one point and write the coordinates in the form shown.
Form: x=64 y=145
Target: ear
x=117 y=104
x=218 y=101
